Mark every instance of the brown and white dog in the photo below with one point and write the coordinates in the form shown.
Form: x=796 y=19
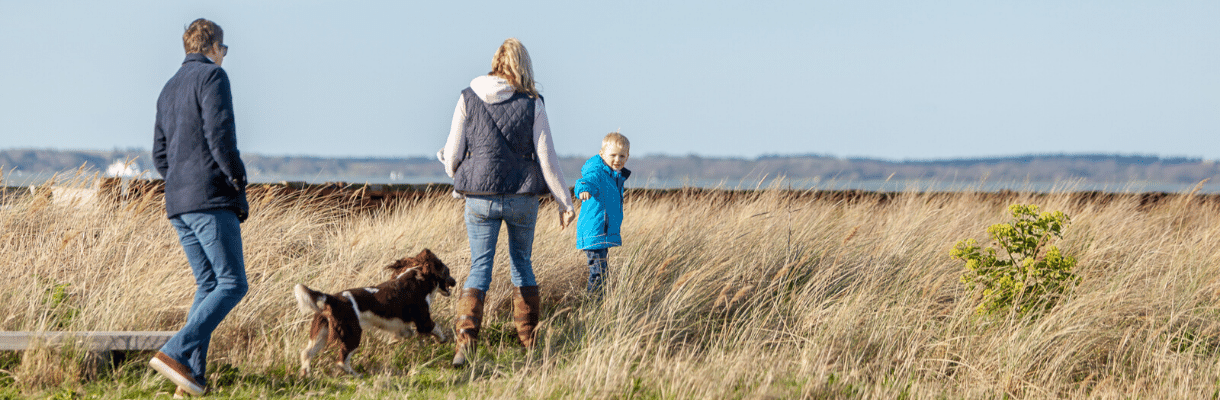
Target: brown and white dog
x=399 y=306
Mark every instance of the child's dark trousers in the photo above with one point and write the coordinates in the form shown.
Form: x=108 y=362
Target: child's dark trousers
x=597 y=269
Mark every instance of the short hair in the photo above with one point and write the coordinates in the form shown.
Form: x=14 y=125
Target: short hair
x=201 y=35
x=616 y=138
x=512 y=62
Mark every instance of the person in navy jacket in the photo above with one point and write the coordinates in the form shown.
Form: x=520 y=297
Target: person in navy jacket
x=195 y=151
x=601 y=209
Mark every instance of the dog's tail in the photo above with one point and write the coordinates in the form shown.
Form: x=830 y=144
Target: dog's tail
x=308 y=300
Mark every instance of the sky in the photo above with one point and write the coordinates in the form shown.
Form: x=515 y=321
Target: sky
x=902 y=80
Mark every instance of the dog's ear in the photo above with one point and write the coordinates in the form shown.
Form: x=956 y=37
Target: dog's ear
x=424 y=269
x=427 y=261
x=423 y=265
x=397 y=265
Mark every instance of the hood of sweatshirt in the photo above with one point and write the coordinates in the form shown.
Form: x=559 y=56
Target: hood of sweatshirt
x=492 y=89
x=596 y=165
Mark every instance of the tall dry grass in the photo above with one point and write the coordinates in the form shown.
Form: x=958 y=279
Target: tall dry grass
x=715 y=295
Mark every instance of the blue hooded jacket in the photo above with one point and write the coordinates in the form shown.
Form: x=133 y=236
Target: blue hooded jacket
x=601 y=216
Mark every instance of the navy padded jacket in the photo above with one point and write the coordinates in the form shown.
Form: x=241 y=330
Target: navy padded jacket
x=195 y=141
x=500 y=156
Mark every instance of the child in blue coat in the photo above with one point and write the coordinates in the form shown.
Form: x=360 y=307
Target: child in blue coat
x=601 y=209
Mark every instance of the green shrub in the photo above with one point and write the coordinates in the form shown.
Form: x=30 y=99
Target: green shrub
x=1030 y=274
x=60 y=311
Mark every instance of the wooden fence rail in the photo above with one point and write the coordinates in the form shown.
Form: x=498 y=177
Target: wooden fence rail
x=90 y=341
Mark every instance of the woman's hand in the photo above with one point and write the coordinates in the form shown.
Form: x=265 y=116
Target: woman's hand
x=584 y=196
x=566 y=218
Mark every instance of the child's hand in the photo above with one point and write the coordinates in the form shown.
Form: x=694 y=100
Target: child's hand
x=566 y=218
x=584 y=196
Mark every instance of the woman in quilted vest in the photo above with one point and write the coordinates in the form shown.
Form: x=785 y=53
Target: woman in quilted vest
x=502 y=159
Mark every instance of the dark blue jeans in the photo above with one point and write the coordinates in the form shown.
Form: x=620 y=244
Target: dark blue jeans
x=484 y=216
x=212 y=241
x=597 y=269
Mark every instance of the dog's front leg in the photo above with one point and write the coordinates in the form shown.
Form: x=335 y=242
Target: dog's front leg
x=424 y=323
x=407 y=330
x=439 y=334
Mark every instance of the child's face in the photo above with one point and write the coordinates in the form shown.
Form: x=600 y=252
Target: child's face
x=615 y=156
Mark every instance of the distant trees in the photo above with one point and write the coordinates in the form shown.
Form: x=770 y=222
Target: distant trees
x=1034 y=168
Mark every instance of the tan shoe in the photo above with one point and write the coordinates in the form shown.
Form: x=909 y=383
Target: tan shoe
x=177 y=373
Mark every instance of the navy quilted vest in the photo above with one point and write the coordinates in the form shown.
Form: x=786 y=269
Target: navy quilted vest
x=500 y=157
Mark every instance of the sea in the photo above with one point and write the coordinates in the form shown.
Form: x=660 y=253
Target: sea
x=18 y=179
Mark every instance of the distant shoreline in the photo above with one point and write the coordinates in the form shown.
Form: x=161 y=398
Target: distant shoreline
x=1080 y=172
x=889 y=186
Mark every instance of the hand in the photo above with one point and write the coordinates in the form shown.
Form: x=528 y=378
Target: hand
x=238 y=184
x=584 y=196
x=566 y=218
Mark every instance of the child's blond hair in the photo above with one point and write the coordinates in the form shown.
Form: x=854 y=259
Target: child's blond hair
x=617 y=139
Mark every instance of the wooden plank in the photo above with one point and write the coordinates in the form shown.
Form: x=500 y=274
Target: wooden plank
x=96 y=341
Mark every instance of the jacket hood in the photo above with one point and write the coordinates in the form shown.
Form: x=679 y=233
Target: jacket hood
x=596 y=163
x=492 y=89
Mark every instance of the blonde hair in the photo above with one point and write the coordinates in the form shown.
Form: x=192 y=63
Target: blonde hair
x=201 y=35
x=512 y=62
x=615 y=138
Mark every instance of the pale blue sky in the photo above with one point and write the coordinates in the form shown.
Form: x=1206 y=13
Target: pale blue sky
x=888 y=79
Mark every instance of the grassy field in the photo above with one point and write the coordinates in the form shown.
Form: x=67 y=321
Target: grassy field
x=763 y=294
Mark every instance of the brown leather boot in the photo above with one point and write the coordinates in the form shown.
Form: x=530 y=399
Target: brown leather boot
x=466 y=325
x=526 y=309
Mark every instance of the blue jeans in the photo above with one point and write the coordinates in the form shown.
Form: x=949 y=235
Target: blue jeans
x=483 y=219
x=212 y=241
x=597 y=269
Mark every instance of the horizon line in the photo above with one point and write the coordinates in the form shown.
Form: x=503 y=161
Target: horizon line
x=696 y=155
